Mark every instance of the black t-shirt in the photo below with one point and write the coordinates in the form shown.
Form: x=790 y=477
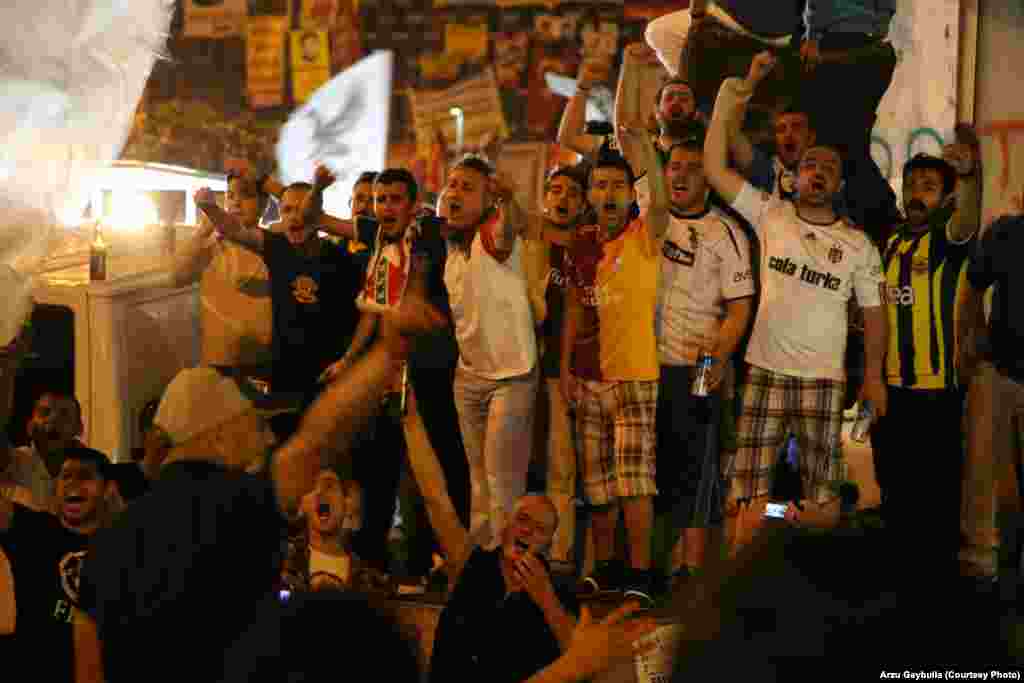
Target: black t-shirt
x=313 y=309
x=996 y=261
x=46 y=559
x=483 y=635
x=177 y=578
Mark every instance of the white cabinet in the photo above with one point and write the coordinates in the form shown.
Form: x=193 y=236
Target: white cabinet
x=132 y=335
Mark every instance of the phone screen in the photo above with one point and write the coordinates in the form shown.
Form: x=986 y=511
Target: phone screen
x=775 y=510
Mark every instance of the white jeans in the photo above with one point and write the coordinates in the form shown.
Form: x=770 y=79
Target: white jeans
x=496 y=418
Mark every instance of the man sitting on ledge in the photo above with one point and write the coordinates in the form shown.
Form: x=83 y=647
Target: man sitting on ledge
x=505 y=590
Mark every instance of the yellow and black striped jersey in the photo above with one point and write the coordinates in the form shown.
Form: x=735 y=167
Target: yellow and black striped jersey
x=924 y=272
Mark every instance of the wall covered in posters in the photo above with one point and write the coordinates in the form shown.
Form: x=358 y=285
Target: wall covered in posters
x=495 y=53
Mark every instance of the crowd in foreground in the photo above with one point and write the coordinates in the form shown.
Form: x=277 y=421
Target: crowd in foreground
x=680 y=308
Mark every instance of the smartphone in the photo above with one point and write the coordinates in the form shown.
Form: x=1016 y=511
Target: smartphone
x=775 y=510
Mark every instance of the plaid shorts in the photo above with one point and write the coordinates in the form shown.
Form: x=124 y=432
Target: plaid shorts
x=615 y=439
x=774 y=406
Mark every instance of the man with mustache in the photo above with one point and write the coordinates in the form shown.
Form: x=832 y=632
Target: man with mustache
x=705 y=304
x=609 y=359
x=46 y=552
x=925 y=269
x=675 y=112
x=814 y=265
x=55 y=425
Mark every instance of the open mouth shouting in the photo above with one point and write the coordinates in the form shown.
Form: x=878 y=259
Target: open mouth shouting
x=73 y=506
x=679 y=191
x=453 y=208
x=817 y=185
x=323 y=512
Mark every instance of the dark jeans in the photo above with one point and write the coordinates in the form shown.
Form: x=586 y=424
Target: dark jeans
x=436 y=401
x=377 y=465
x=918 y=455
x=688 y=468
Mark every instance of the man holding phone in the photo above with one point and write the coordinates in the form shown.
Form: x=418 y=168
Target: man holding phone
x=491 y=592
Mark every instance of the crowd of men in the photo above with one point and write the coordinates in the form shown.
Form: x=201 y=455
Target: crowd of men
x=682 y=312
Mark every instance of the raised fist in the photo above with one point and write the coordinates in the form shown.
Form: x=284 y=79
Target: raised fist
x=323 y=178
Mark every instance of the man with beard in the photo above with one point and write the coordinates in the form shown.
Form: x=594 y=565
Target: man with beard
x=311 y=281
x=492 y=592
x=55 y=425
x=675 y=112
x=705 y=303
x=813 y=266
x=925 y=268
x=46 y=554
x=550 y=234
x=234 y=285
x=609 y=372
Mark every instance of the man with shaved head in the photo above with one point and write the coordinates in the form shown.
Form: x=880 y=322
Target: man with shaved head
x=507 y=589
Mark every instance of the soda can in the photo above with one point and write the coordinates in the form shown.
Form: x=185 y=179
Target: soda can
x=700 y=380
x=862 y=426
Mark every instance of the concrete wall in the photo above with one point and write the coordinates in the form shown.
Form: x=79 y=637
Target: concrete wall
x=999 y=100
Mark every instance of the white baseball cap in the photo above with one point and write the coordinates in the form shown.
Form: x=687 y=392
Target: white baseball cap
x=200 y=399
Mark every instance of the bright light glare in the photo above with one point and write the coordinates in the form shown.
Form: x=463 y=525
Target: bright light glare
x=132 y=212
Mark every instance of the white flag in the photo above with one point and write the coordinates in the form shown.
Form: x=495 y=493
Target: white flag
x=73 y=73
x=344 y=126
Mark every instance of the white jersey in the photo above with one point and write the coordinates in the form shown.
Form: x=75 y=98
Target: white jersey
x=809 y=275
x=705 y=262
x=491 y=310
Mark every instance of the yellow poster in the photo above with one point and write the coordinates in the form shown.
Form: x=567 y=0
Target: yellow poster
x=466 y=41
x=311 y=63
x=264 y=60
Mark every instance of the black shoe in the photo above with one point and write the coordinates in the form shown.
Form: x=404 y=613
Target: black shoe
x=607 y=576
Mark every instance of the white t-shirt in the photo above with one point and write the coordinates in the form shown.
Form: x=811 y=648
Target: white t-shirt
x=809 y=275
x=705 y=261
x=491 y=309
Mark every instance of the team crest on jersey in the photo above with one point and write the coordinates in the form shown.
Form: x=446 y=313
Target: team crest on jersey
x=787 y=184
x=835 y=254
x=694 y=240
x=70 y=572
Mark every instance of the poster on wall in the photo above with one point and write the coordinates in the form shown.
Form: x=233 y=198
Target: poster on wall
x=525 y=164
x=311 y=63
x=264 y=61
x=214 y=18
x=346 y=41
x=479 y=102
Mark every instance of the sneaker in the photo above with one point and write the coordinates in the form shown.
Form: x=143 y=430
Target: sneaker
x=640 y=585
x=607 y=576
